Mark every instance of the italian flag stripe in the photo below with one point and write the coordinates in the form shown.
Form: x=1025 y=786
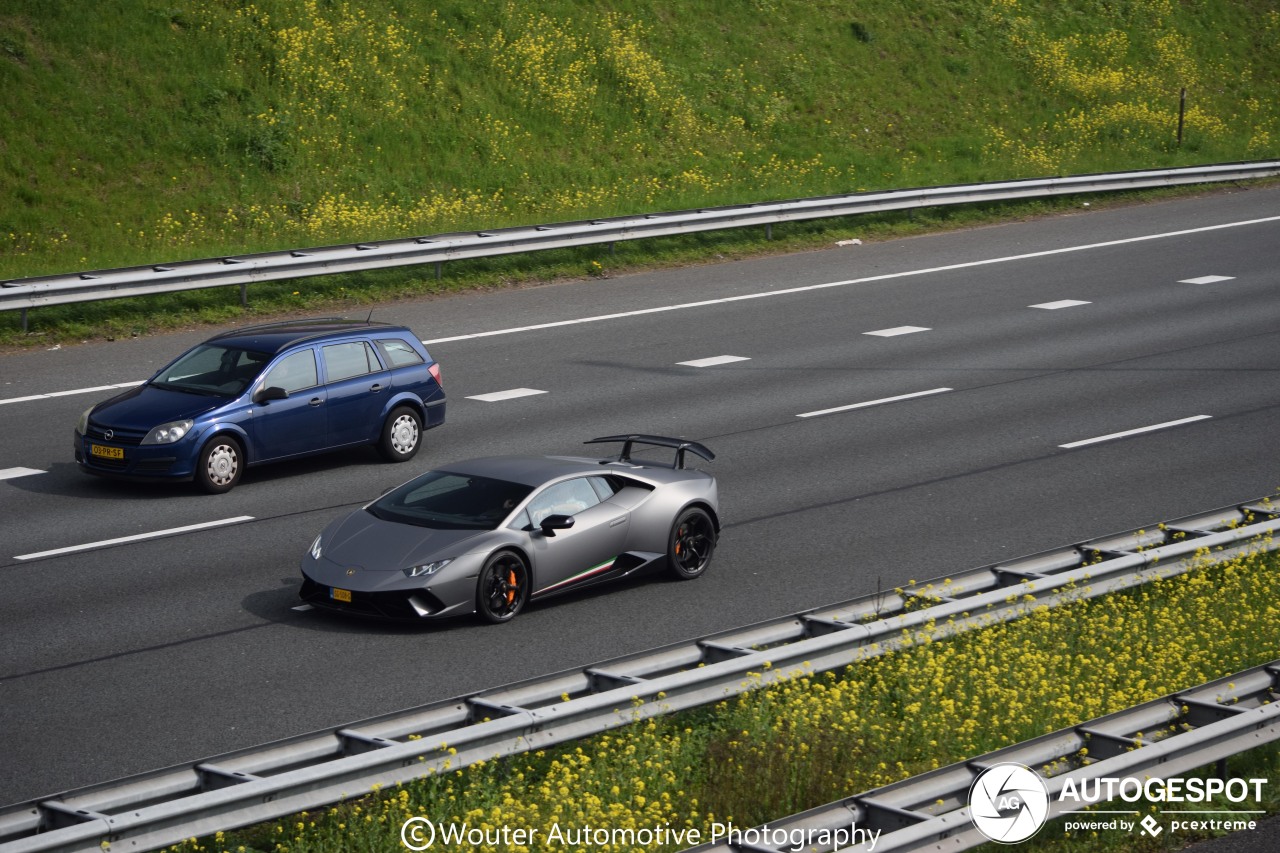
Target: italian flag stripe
x=594 y=570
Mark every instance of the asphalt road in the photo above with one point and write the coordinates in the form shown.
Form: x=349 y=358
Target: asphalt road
x=127 y=657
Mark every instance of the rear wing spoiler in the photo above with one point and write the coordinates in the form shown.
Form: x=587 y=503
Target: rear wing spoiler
x=679 y=444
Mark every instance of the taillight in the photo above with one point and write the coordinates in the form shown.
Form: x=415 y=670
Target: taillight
x=434 y=369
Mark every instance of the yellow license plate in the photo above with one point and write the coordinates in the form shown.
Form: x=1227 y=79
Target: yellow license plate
x=106 y=452
x=340 y=594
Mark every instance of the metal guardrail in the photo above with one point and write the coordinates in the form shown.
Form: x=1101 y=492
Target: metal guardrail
x=1159 y=739
x=246 y=269
x=159 y=808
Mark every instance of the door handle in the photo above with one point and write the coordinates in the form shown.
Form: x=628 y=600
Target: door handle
x=315 y=401
x=377 y=386
x=617 y=521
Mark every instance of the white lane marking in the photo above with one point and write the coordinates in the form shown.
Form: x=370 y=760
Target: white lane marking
x=898 y=330
x=69 y=393
x=713 y=360
x=1207 y=279
x=1061 y=303
x=154 y=535
x=10 y=473
x=873 y=402
x=1129 y=432
x=506 y=395
x=302 y=608
x=885 y=277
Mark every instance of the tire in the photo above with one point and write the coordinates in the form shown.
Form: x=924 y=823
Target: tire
x=502 y=588
x=220 y=464
x=691 y=544
x=401 y=435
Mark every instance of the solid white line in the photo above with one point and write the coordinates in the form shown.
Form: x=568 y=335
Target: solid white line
x=885 y=277
x=157 y=534
x=713 y=361
x=506 y=395
x=1207 y=279
x=10 y=473
x=1136 y=431
x=1061 y=303
x=873 y=402
x=898 y=330
x=69 y=393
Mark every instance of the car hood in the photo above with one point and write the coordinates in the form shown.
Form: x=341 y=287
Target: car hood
x=147 y=406
x=375 y=545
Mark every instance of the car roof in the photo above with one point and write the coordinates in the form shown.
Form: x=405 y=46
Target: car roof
x=528 y=470
x=273 y=337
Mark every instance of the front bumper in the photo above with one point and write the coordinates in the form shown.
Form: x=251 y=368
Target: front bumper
x=387 y=595
x=132 y=460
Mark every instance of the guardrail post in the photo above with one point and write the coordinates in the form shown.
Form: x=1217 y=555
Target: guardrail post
x=24 y=321
x=439 y=264
x=244 y=295
x=768 y=230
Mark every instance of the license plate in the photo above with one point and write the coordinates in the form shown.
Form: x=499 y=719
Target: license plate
x=340 y=594
x=106 y=452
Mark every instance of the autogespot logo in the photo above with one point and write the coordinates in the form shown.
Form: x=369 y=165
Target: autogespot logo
x=1008 y=803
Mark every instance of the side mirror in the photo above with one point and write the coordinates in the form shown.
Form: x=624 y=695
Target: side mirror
x=552 y=523
x=272 y=392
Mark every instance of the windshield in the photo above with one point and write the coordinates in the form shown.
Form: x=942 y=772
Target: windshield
x=215 y=370
x=447 y=501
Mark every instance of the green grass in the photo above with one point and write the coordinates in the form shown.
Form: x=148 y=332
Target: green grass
x=198 y=130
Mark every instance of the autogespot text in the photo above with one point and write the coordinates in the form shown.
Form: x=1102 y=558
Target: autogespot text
x=1171 y=790
x=421 y=833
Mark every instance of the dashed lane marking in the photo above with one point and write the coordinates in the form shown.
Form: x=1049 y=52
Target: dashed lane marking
x=1061 y=303
x=873 y=402
x=713 y=361
x=205 y=525
x=506 y=395
x=898 y=330
x=1130 y=432
x=11 y=473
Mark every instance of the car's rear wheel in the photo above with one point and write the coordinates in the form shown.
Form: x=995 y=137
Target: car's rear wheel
x=691 y=544
x=503 y=587
x=401 y=435
x=220 y=464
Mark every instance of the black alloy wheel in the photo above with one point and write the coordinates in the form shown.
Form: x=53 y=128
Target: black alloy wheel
x=692 y=542
x=503 y=587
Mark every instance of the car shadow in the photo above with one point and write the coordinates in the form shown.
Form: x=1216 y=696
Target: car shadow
x=277 y=606
x=66 y=479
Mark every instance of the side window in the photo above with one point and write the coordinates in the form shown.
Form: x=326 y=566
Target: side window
x=342 y=361
x=398 y=353
x=604 y=488
x=293 y=372
x=568 y=498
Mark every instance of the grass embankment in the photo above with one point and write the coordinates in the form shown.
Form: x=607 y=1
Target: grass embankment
x=224 y=128
x=816 y=738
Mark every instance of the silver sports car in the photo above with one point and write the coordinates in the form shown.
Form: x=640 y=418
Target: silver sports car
x=489 y=535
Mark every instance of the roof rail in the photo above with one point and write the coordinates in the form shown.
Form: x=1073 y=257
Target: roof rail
x=280 y=323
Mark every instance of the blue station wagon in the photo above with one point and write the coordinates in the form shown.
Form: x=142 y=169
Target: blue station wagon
x=266 y=393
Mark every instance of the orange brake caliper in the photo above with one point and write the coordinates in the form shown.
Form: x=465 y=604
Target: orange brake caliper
x=511 y=586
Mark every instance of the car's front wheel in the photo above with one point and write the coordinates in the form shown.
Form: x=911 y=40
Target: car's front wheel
x=503 y=587
x=401 y=435
x=691 y=544
x=220 y=465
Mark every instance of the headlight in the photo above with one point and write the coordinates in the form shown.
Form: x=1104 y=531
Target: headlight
x=316 y=549
x=82 y=425
x=426 y=569
x=168 y=433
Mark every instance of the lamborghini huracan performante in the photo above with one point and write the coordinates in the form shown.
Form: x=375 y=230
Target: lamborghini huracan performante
x=487 y=536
